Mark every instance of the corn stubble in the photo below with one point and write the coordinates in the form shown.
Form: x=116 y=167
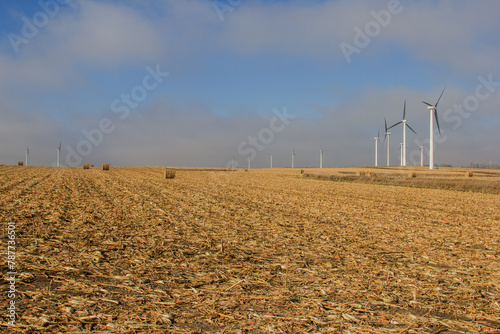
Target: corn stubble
x=262 y=252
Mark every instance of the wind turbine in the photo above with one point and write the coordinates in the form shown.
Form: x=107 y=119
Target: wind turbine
x=321 y=158
x=433 y=112
x=27 y=154
x=403 y=152
x=421 y=156
x=58 y=154
x=293 y=158
x=271 y=161
x=377 y=139
x=248 y=162
x=388 y=135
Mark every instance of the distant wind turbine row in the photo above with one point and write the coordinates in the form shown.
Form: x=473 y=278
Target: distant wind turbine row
x=58 y=155
x=404 y=121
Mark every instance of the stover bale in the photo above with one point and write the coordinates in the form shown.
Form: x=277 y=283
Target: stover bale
x=169 y=174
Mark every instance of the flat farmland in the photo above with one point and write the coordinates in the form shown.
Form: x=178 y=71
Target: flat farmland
x=258 y=251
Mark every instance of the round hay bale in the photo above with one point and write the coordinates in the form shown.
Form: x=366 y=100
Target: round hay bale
x=301 y=171
x=86 y=166
x=469 y=174
x=20 y=163
x=412 y=175
x=360 y=173
x=169 y=174
x=371 y=174
x=105 y=166
x=92 y=165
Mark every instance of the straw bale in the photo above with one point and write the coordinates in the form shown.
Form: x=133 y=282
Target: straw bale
x=469 y=174
x=360 y=173
x=20 y=163
x=86 y=166
x=412 y=175
x=169 y=174
x=105 y=166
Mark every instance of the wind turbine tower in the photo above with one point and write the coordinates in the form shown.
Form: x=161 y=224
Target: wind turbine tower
x=293 y=158
x=388 y=135
x=404 y=122
x=377 y=139
x=27 y=154
x=421 y=156
x=58 y=155
x=401 y=154
x=321 y=158
x=248 y=162
x=271 y=161
x=434 y=115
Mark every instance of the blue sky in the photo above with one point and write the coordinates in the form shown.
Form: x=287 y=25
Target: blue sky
x=64 y=63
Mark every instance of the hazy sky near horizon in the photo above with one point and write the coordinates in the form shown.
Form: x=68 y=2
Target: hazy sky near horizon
x=198 y=82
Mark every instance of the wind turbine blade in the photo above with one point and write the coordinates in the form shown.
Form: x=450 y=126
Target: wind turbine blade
x=430 y=105
x=440 y=97
x=404 y=111
x=59 y=146
x=385 y=135
x=394 y=125
x=437 y=120
x=410 y=128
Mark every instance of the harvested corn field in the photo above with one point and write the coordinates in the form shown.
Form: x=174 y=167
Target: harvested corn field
x=263 y=251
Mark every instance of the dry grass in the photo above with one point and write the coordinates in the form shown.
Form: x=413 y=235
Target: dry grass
x=267 y=251
x=445 y=178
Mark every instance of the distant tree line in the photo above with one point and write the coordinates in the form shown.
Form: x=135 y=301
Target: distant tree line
x=484 y=165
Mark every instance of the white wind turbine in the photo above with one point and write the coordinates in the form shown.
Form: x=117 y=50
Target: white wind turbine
x=271 y=161
x=293 y=158
x=405 y=124
x=377 y=139
x=321 y=158
x=27 y=154
x=388 y=135
x=421 y=156
x=58 y=154
x=434 y=115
